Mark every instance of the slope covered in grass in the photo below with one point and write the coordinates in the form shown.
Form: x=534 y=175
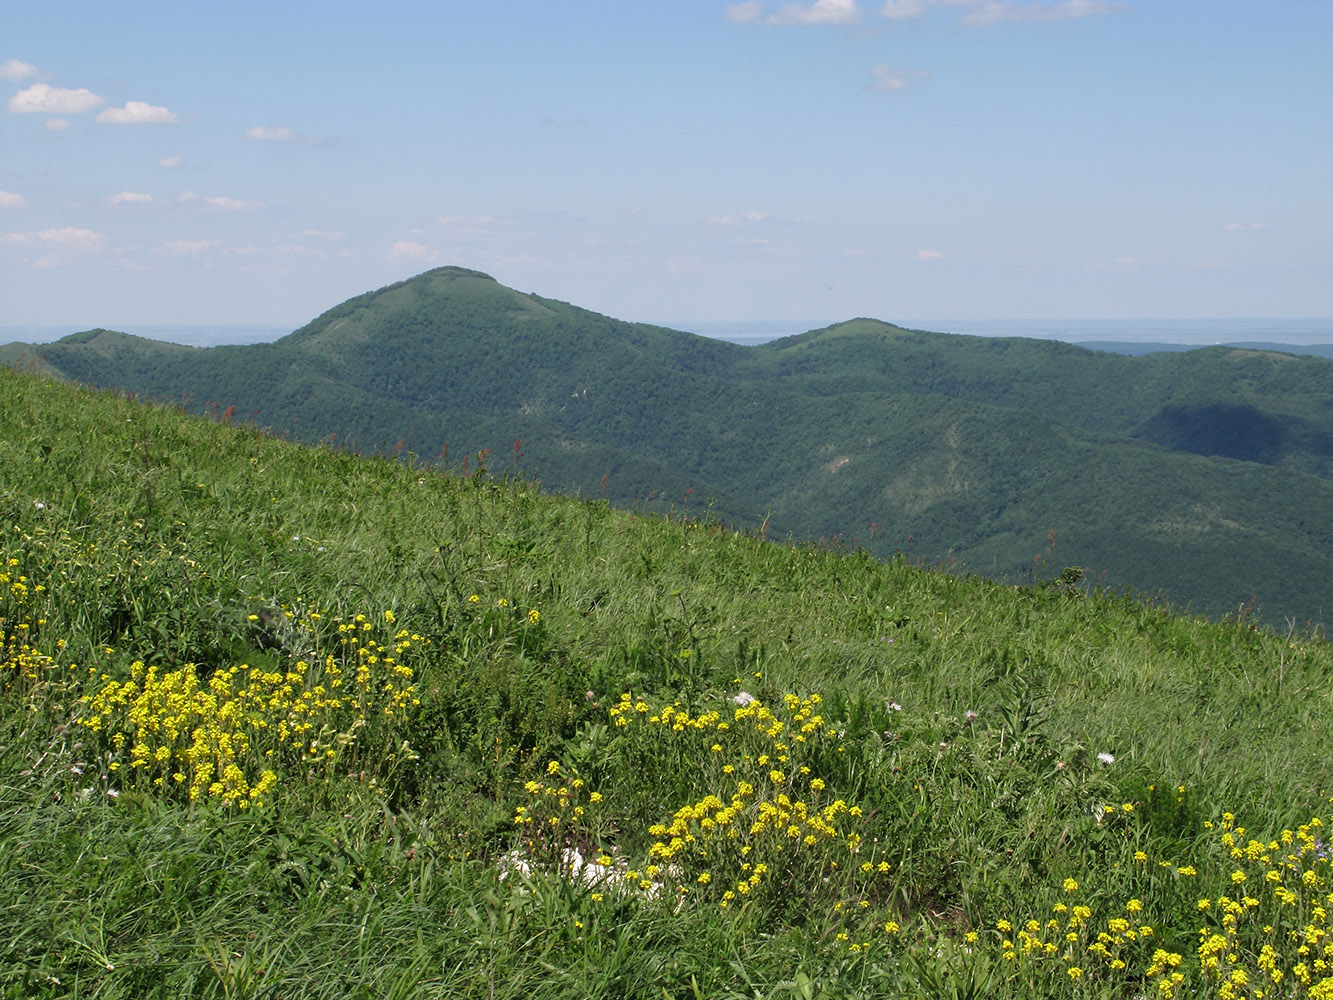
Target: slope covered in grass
x=1205 y=475
x=280 y=721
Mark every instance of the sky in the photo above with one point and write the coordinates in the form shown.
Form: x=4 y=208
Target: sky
x=669 y=160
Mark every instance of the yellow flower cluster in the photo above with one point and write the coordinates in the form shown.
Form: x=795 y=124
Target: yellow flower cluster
x=771 y=816
x=1275 y=930
x=223 y=737
x=1071 y=936
x=22 y=665
x=802 y=723
x=1269 y=936
x=559 y=818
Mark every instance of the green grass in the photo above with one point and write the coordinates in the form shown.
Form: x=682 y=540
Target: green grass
x=960 y=725
x=1205 y=475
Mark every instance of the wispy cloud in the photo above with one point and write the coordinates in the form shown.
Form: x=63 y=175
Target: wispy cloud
x=229 y=204
x=169 y=162
x=929 y=255
x=408 y=250
x=187 y=247
x=15 y=70
x=129 y=198
x=973 y=13
x=10 y=200
x=988 y=13
x=1246 y=227
x=42 y=98
x=891 y=79
x=740 y=13
x=138 y=113
x=285 y=133
x=70 y=238
x=896 y=10
x=818 y=12
x=736 y=219
x=270 y=133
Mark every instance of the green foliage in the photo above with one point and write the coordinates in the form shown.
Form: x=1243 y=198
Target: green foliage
x=990 y=744
x=1203 y=476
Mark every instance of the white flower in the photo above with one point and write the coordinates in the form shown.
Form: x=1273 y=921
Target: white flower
x=39 y=505
x=743 y=698
x=1106 y=758
x=970 y=716
x=892 y=705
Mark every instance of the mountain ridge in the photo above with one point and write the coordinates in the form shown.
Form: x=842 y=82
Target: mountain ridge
x=1201 y=475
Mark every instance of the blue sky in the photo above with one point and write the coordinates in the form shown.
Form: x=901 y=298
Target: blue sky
x=169 y=163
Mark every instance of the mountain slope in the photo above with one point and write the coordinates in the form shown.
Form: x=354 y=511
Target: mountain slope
x=1205 y=475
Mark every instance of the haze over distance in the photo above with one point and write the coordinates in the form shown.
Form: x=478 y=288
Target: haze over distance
x=758 y=168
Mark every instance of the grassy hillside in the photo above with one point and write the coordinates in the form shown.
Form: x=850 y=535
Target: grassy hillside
x=278 y=721
x=1205 y=476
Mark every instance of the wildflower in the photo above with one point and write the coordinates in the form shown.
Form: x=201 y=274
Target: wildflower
x=1106 y=758
x=743 y=698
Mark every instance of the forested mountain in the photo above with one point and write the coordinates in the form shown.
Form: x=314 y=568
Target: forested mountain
x=1205 y=475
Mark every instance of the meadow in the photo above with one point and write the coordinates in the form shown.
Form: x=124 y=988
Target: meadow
x=280 y=721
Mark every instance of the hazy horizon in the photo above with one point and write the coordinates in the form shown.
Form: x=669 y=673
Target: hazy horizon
x=1190 y=332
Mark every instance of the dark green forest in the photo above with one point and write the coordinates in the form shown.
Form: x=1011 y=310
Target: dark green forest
x=1203 y=477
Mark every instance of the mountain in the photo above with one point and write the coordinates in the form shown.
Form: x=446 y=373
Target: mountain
x=1206 y=476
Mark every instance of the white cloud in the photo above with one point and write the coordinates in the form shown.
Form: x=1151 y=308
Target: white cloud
x=186 y=197
x=466 y=225
x=737 y=219
x=14 y=70
x=407 y=250
x=929 y=255
x=42 y=98
x=169 y=162
x=129 y=198
x=138 y=113
x=70 y=238
x=984 y=14
x=820 y=12
x=327 y=234
x=56 y=124
x=890 y=79
x=283 y=133
x=743 y=12
x=11 y=200
x=227 y=204
x=897 y=9
x=271 y=133
x=1237 y=227
x=1127 y=261
x=187 y=247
